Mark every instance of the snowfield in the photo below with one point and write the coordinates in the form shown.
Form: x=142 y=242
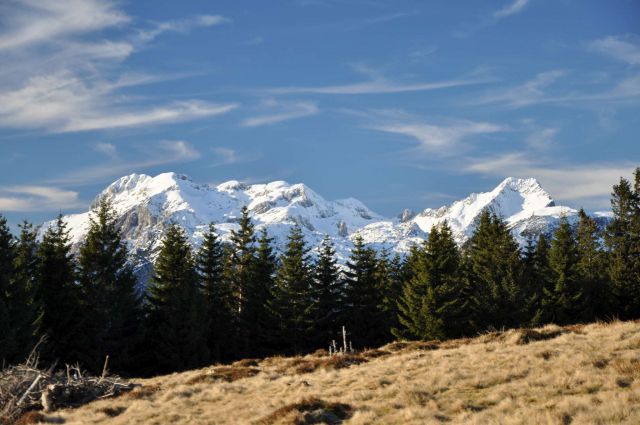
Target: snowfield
x=146 y=205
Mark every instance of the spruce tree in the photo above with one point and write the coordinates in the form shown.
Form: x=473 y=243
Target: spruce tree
x=622 y=239
x=433 y=303
x=327 y=291
x=111 y=305
x=240 y=274
x=538 y=276
x=562 y=299
x=590 y=269
x=21 y=293
x=217 y=294
x=58 y=317
x=262 y=289
x=293 y=304
x=494 y=272
x=362 y=316
x=8 y=343
x=177 y=317
x=389 y=281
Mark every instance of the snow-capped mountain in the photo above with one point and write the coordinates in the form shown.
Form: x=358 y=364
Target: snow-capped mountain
x=146 y=205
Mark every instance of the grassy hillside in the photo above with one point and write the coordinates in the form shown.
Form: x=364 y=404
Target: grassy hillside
x=579 y=374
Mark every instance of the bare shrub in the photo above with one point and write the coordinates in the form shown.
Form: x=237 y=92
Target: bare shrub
x=309 y=411
x=25 y=389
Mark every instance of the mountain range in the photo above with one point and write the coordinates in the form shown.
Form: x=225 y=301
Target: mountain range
x=146 y=206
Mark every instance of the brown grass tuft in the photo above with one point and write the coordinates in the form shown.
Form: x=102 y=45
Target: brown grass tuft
x=143 y=392
x=112 y=412
x=247 y=363
x=29 y=418
x=414 y=345
x=224 y=373
x=627 y=367
x=525 y=336
x=308 y=411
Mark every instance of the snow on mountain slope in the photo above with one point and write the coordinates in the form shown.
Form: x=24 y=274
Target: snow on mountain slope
x=146 y=205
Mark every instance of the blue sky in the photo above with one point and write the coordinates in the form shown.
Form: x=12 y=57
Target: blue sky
x=403 y=104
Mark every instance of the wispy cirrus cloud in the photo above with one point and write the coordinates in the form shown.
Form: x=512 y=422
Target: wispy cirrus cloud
x=64 y=72
x=280 y=111
x=164 y=152
x=442 y=138
x=24 y=198
x=182 y=26
x=538 y=91
x=228 y=156
x=542 y=139
x=510 y=9
x=31 y=22
x=527 y=93
x=109 y=149
x=378 y=84
x=623 y=48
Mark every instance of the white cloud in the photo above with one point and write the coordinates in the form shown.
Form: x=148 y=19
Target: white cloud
x=625 y=49
x=160 y=153
x=510 y=9
x=57 y=77
x=527 y=93
x=175 y=112
x=182 y=26
x=108 y=149
x=433 y=138
x=227 y=156
x=66 y=103
x=36 y=198
x=534 y=92
x=284 y=111
x=587 y=185
x=31 y=22
x=542 y=139
x=380 y=84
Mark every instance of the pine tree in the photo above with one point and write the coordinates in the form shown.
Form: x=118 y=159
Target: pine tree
x=494 y=272
x=327 y=291
x=217 y=295
x=562 y=299
x=262 y=289
x=433 y=302
x=111 y=306
x=293 y=304
x=590 y=269
x=538 y=275
x=389 y=281
x=240 y=274
x=362 y=316
x=8 y=343
x=177 y=317
x=58 y=317
x=622 y=240
x=21 y=293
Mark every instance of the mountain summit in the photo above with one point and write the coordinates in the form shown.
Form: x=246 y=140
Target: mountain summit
x=146 y=205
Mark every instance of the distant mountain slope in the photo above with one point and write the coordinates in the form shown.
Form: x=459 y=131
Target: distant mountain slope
x=147 y=205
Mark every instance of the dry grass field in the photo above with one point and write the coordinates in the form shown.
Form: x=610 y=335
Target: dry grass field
x=580 y=374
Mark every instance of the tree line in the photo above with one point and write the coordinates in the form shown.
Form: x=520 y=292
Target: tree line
x=239 y=299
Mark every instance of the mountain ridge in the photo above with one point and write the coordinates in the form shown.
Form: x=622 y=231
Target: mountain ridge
x=146 y=205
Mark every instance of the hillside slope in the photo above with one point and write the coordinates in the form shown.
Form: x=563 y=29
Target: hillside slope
x=581 y=374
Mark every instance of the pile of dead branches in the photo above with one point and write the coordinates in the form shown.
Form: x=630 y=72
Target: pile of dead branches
x=26 y=388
